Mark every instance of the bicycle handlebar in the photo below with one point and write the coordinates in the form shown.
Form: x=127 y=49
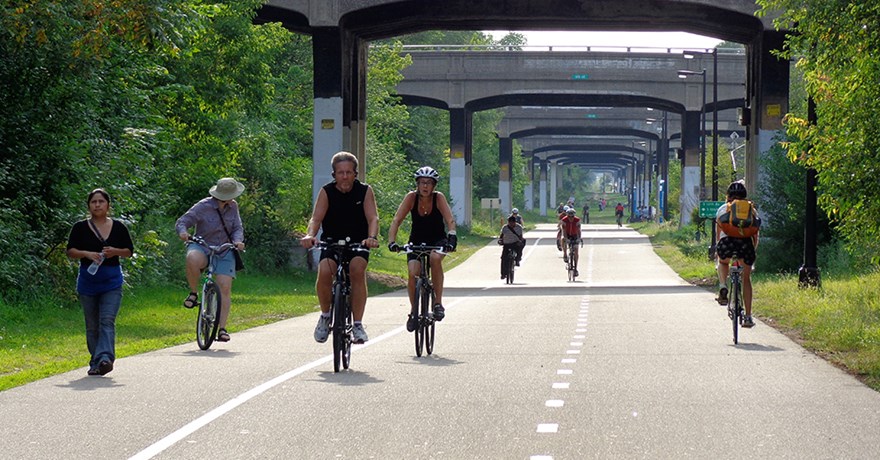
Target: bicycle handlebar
x=217 y=249
x=340 y=245
x=410 y=248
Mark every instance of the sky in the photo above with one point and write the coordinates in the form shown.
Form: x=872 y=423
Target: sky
x=630 y=39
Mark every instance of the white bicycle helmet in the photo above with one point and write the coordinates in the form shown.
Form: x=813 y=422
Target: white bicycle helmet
x=515 y=211
x=427 y=171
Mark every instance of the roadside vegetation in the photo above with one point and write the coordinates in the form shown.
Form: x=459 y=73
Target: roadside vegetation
x=839 y=321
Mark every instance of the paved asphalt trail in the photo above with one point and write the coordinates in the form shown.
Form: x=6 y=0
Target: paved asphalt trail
x=629 y=361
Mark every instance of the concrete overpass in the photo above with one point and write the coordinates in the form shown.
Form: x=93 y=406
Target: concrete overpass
x=341 y=30
x=618 y=83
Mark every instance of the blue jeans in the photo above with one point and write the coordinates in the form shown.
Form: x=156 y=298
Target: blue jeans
x=100 y=313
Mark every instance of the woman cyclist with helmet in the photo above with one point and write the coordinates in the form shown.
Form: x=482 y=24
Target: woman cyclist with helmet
x=432 y=224
x=744 y=249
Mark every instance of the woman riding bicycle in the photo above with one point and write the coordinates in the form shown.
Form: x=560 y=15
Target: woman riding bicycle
x=429 y=210
x=744 y=248
x=217 y=220
x=618 y=213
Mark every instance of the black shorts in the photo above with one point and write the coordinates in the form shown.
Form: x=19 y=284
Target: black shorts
x=328 y=254
x=741 y=247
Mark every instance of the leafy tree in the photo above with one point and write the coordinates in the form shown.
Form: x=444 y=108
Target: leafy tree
x=834 y=44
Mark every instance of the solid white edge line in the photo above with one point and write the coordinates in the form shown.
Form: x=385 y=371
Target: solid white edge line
x=191 y=427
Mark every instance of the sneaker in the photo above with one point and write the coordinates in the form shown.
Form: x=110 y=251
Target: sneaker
x=358 y=334
x=565 y=259
x=576 y=273
x=322 y=330
x=722 y=296
x=517 y=263
x=439 y=312
x=503 y=276
x=412 y=323
x=748 y=322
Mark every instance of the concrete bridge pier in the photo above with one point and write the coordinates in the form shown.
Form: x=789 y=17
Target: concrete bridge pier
x=505 y=174
x=528 y=191
x=542 y=187
x=690 y=172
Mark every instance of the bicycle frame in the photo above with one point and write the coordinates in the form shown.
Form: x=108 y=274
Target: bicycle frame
x=340 y=305
x=210 y=305
x=509 y=258
x=735 y=301
x=423 y=306
x=571 y=265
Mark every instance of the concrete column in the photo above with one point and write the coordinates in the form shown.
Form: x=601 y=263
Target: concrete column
x=468 y=166
x=328 y=126
x=542 y=187
x=768 y=88
x=528 y=191
x=356 y=113
x=552 y=182
x=690 y=172
x=457 y=169
x=505 y=175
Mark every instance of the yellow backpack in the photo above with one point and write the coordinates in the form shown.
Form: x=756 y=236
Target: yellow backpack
x=740 y=220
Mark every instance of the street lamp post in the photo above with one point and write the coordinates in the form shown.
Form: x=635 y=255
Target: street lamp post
x=714 y=53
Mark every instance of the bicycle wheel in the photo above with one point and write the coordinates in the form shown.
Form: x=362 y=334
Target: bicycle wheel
x=511 y=266
x=737 y=308
x=419 y=333
x=209 y=313
x=346 y=336
x=338 y=313
x=429 y=320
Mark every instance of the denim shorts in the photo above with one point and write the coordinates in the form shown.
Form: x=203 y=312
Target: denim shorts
x=224 y=263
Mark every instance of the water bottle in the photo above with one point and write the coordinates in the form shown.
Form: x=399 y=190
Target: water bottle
x=93 y=268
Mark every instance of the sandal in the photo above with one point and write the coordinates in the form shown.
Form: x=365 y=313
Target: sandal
x=191 y=300
x=222 y=336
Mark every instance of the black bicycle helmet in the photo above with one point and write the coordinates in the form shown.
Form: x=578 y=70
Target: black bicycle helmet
x=737 y=189
x=427 y=171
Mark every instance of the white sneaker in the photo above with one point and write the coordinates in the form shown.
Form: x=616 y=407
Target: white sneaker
x=322 y=330
x=359 y=335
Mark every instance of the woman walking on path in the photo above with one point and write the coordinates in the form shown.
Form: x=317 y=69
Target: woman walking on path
x=99 y=242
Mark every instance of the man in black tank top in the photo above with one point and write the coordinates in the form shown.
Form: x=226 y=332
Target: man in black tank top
x=428 y=210
x=345 y=208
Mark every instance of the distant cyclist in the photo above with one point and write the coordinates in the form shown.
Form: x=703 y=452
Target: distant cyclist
x=618 y=213
x=744 y=249
x=515 y=213
x=429 y=211
x=571 y=229
x=512 y=238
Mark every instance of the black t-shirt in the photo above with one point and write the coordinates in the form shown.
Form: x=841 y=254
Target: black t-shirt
x=345 y=214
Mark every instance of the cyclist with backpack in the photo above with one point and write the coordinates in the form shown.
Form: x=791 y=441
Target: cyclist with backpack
x=738 y=225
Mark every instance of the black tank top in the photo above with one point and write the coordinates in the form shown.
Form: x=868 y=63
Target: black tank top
x=427 y=229
x=345 y=214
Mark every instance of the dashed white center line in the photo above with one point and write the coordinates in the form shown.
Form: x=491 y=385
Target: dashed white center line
x=564 y=372
x=554 y=403
x=548 y=427
x=561 y=385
